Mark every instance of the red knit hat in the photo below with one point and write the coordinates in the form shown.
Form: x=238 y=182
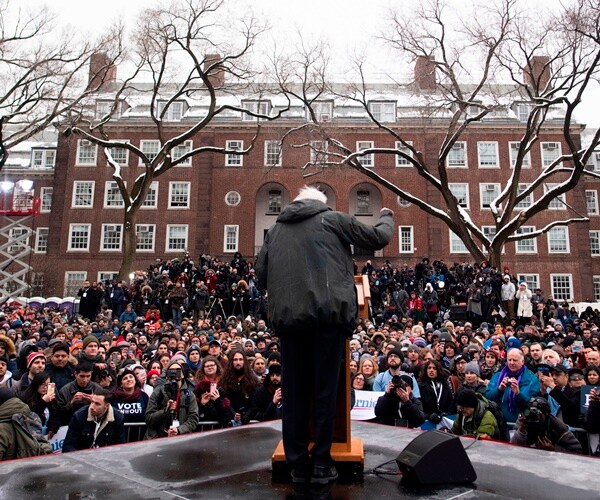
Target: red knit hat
x=33 y=356
x=153 y=372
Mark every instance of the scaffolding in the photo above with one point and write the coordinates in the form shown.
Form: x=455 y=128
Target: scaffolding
x=16 y=233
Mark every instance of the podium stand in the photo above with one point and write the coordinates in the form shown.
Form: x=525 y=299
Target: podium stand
x=347 y=452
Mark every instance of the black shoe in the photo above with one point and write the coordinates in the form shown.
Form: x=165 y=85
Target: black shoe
x=322 y=474
x=300 y=474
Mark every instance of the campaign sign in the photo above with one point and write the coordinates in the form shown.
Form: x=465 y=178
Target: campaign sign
x=585 y=397
x=364 y=405
x=58 y=439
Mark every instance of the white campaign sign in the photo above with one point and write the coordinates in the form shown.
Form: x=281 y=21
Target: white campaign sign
x=58 y=439
x=364 y=405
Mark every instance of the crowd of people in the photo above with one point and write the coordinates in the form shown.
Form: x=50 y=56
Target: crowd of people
x=184 y=344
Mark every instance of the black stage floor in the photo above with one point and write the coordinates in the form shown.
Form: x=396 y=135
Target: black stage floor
x=236 y=463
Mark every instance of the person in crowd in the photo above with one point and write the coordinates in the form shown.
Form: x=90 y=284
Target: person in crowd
x=95 y=425
x=514 y=386
x=210 y=370
x=176 y=298
x=36 y=363
x=6 y=379
x=592 y=416
x=538 y=428
x=437 y=397
x=592 y=375
x=474 y=418
x=457 y=367
x=239 y=385
x=259 y=367
x=369 y=369
x=267 y=401
x=325 y=318
x=129 y=397
x=8 y=349
x=193 y=359
x=172 y=409
x=490 y=365
x=525 y=306
x=90 y=353
x=398 y=406
x=128 y=314
x=358 y=382
x=90 y=296
x=394 y=361
x=472 y=380
x=60 y=369
x=40 y=396
x=564 y=400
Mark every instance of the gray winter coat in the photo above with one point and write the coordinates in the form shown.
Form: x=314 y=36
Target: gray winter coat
x=306 y=265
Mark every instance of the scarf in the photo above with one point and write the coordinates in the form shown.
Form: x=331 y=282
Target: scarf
x=122 y=397
x=512 y=399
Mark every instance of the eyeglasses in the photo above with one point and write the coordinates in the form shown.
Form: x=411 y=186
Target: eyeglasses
x=576 y=377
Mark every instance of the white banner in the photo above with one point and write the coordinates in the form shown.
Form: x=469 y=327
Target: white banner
x=364 y=405
x=58 y=439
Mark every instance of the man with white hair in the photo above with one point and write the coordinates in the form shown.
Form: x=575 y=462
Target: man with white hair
x=306 y=266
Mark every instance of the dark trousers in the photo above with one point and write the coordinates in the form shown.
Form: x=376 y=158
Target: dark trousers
x=310 y=364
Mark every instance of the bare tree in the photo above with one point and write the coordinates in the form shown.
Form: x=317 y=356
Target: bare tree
x=44 y=75
x=545 y=63
x=191 y=52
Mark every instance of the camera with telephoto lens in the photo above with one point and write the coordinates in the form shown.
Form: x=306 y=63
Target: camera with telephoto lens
x=398 y=383
x=172 y=384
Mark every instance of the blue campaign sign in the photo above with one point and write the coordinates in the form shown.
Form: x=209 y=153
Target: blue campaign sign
x=585 y=396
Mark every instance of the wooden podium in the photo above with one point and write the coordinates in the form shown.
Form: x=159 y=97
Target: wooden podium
x=347 y=452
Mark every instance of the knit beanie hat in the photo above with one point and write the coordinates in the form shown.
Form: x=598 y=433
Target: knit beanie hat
x=466 y=398
x=472 y=367
x=88 y=340
x=33 y=356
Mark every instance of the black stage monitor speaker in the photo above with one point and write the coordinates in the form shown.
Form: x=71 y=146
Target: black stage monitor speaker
x=435 y=457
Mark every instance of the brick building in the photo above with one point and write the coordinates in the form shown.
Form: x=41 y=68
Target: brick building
x=220 y=204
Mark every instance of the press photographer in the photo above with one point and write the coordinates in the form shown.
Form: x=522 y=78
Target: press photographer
x=537 y=428
x=172 y=409
x=398 y=406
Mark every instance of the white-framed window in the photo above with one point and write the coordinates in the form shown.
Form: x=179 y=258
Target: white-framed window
x=180 y=151
x=488 y=192
x=232 y=159
x=41 y=240
x=151 y=200
x=513 y=150
x=527 y=201
x=490 y=233
x=260 y=107
x=456 y=244
x=323 y=111
x=272 y=154
x=593 y=163
x=104 y=276
x=591 y=201
x=558 y=240
x=460 y=190
x=532 y=280
x=112 y=196
x=406 y=239
x=528 y=246
x=363 y=202
x=557 y=203
x=275 y=202
x=83 y=194
x=318 y=152
x=383 y=111
x=595 y=243
x=231 y=236
x=73 y=282
x=550 y=152
x=174 y=111
x=79 y=237
x=457 y=156
x=112 y=238
x=179 y=194
x=233 y=199
x=366 y=160
x=523 y=111
x=103 y=108
x=487 y=153
x=120 y=155
x=19 y=237
x=150 y=150
x=145 y=237
x=87 y=153
x=43 y=158
x=37 y=283
x=177 y=237
x=400 y=161
x=562 y=287
x=46 y=199
x=596 y=283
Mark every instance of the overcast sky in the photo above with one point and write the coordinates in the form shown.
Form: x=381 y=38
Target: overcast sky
x=350 y=26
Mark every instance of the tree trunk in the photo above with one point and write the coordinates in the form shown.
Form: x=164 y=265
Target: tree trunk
x=495 y=257
x=129 y=244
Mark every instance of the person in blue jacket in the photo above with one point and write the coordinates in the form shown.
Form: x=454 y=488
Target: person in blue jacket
x=514 y=386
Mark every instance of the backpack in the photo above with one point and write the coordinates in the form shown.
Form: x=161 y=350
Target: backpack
x=502 y=431
x=28 y=432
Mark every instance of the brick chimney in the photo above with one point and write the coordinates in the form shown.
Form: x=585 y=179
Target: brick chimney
x=537 y=72
x=102 y=71
x=425 y=73
x=217 y=75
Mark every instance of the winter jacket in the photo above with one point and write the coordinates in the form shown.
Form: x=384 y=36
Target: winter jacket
x=158 y=419
x=528 y=388
x=430 y=401
x=525 y=307
x=592 y=418
x=555 y=430
x=389 y=409
x=481 y=422
x=310 y=280
x=80 y=435
x=15 y=444
x=263 y=407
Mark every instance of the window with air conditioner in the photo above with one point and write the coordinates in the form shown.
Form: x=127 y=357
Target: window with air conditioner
x=457 y=156
x=87 y=153
x=323 y=111
x=488 y=193
x=513 y=149
x=232 y=159
x=551 y=151
x=400 y=160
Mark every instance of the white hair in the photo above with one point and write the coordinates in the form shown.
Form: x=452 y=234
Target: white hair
x=311 y=193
